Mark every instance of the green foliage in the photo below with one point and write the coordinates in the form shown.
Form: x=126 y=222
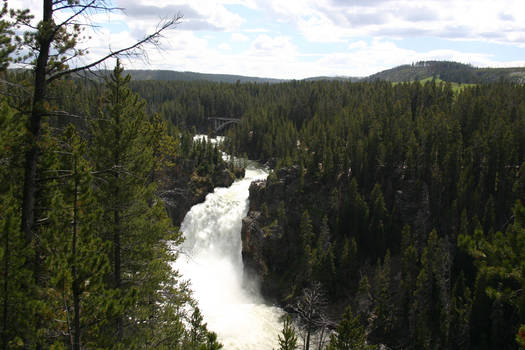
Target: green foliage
x=520 y=337
x=349 y=334
x=133 y=219
x=379 y=166
x=77 y=259
x=103 y=263
x=382 y=165
x=383 y=297
x=287 y=338
x=500 y=264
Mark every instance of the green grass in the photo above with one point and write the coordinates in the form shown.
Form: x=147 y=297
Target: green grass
x=456 y=87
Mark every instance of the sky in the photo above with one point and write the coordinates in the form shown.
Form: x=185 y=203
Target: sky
x=295 y=39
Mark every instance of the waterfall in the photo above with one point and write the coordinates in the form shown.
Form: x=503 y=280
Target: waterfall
x=212 y=262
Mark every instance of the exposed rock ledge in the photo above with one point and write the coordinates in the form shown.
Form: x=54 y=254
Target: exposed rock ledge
x=268 y=247
x=183 y=188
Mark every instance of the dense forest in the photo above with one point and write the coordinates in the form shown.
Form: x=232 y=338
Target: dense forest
x=97 y=272
x=86 y=242
x=400 y=204
x=403 y=203
x=402 y=200
x=451 y=72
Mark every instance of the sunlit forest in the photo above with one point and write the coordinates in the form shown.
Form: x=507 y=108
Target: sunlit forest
x=392 y=216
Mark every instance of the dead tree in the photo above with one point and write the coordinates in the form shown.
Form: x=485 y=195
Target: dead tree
x=310 y=314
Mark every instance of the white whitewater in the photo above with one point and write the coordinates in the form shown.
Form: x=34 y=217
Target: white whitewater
x=212 y=262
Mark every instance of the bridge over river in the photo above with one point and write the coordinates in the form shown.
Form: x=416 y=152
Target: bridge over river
x=220 y=123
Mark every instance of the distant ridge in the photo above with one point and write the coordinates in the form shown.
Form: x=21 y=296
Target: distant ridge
x=451 y=72
x=139 y=74
x=445 y=70
x=337 y=78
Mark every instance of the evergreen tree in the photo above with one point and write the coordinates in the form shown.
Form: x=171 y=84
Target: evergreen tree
x=78 y=257
x=500 y=264
x=378 y=221
x=349 y=334
x=348 y=264
x=385 y=306
x=287 y=338
x=409 y=273
x=134 y=220
x=16 y=299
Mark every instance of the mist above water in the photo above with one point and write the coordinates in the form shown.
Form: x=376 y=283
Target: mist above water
x=213 y=263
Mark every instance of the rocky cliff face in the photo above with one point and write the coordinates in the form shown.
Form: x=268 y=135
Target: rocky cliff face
x=271 y=243
x=263 y=251
x=182 y=187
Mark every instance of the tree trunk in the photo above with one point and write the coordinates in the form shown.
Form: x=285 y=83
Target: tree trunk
x=6 y=286
x=116 y=213
x=118 y=282
x=35 y=124
x=76 y=289
x=307 y=345
x=31 y=162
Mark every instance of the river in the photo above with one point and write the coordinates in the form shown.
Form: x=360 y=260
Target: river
x=212 y=262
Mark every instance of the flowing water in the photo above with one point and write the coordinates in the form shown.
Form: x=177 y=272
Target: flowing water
x=212 y=262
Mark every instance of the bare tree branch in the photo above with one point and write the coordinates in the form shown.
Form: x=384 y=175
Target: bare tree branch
x=83 y=8
x=63 y=114
x=151 y=38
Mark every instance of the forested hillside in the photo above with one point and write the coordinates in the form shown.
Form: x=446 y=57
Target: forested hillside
x=394 y=197
x=401 y=200
x=398 y=199
x=164 y=75
x=401 y=204
x=445 y=70
x=451 y=72
x=99 y=272
x=86 y=244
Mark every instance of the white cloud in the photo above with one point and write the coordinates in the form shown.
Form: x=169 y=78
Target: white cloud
x=279 y=46
x=357 y=45
x=238 y=37
x=365 y=32
x=204 y=15
x=225 y=47
x=257 y=30
x=335 y=20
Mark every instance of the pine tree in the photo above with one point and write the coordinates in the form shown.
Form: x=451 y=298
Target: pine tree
x=409 y=273
x=348 y=264
x=287 y=338
x=135 y=220
x=197 y=330
x=77 y=261
x=349 y=334
x=15 y=298
x=378 y=221
x=307 y=239
x=500 y=266
x=385 y=306
x=431 y=307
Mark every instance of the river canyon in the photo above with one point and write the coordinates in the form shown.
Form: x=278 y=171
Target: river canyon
x=211 y=260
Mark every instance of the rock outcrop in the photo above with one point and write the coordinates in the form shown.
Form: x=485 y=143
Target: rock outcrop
x=271 y=243
x=182 y=187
